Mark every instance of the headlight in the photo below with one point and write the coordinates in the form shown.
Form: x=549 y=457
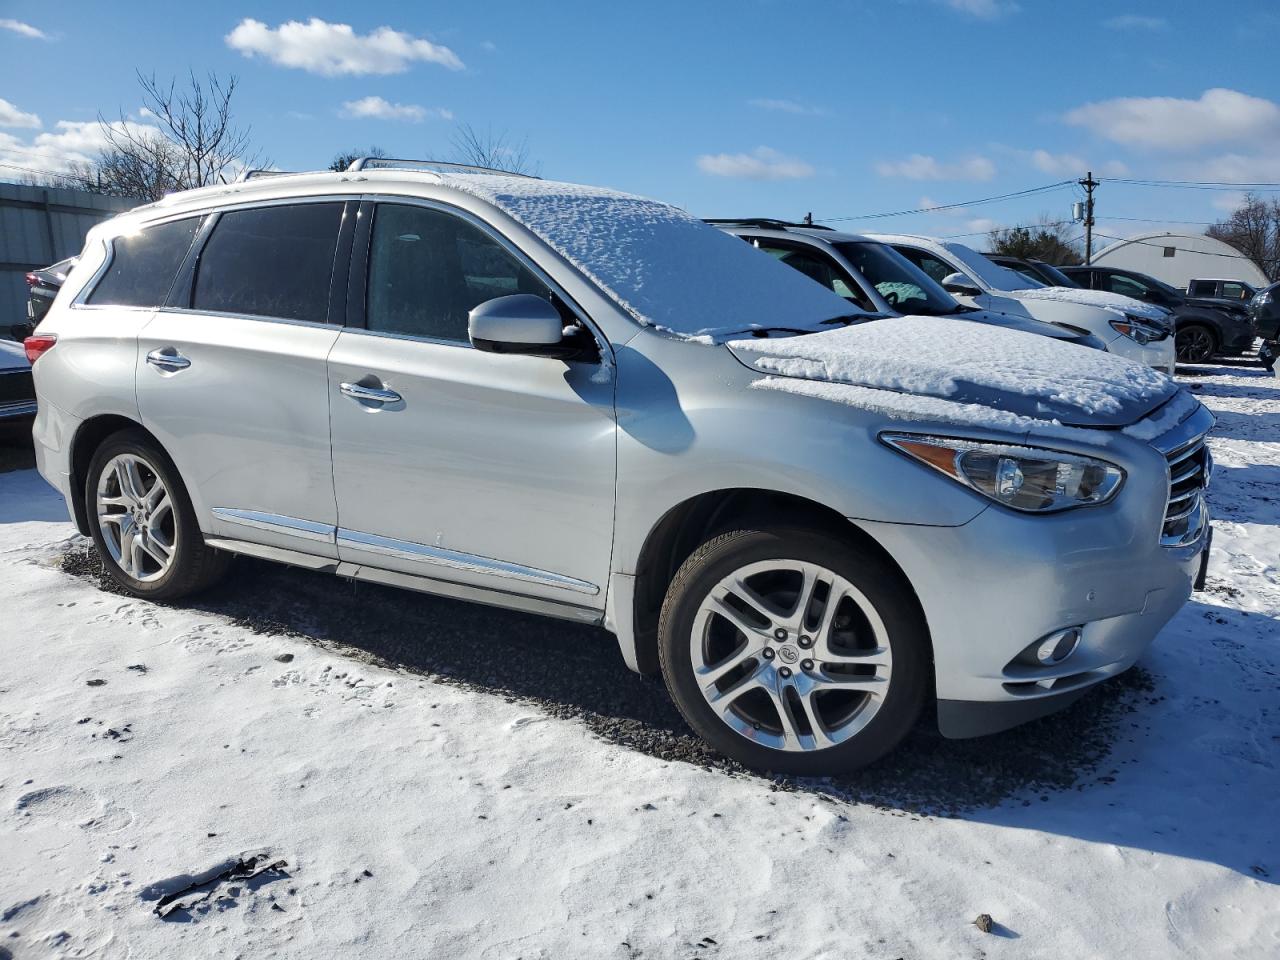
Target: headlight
x=1024 y=478
x=1262 y=298
x=1138 y=329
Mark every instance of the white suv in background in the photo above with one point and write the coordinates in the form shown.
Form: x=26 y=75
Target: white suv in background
x=1129 y=327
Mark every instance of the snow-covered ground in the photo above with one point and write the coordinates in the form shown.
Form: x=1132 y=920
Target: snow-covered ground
x=450 y=781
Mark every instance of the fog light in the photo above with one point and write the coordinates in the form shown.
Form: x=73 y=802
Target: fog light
x=1056 y=647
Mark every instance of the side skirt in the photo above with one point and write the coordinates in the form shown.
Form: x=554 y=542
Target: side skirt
x=408 y=581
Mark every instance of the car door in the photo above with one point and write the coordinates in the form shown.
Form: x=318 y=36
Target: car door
x=231 y=375
x=489 y=470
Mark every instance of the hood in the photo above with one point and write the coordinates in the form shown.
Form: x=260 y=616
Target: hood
x=1219 y=303
x=1043 y=328
x=969 y=368
x=1115 y=302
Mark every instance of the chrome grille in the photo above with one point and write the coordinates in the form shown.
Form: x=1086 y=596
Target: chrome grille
x=1190 y=467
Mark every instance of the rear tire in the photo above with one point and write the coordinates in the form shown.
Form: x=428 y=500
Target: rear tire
x=1195 y=343
x=769 y=672
x=142 y=522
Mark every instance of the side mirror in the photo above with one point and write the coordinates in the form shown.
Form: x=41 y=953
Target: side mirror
x=960 y=285
x=522 y=323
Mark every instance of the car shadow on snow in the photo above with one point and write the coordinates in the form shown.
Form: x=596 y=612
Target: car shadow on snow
x=1052 y=775
x=576 y=672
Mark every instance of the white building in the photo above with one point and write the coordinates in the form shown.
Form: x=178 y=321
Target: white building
x=1177 y=258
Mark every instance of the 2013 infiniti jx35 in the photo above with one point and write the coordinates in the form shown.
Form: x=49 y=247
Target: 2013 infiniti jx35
x=586 y=404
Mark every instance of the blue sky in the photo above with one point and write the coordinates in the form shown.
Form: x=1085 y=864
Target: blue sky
x=747 y=108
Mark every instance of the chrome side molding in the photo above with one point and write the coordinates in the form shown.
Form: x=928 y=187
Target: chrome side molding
x=454 y=560
x=292 y=526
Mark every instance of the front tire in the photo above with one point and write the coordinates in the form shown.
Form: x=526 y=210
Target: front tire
x=791 y=651
x=1195 y=343
x=142 y=521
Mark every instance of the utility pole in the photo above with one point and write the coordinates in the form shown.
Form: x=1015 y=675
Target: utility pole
x=808 y=219
x=1089 y=184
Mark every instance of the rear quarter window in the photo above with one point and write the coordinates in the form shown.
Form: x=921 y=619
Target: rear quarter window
x=144 y=264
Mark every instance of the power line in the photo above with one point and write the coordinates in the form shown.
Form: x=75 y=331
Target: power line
x=43 y=173
x=951 y=206
x=1205 y=253
x=1267 y=185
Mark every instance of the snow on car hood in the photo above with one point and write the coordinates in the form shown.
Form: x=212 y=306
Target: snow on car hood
x=664 y=267
x=936 y=368
x=1115 y=302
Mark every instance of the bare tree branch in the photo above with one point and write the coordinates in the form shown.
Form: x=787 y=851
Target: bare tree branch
x=1253 y=228
x=498 y=151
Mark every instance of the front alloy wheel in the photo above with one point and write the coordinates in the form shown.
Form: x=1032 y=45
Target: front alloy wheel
x=790 y=655
x=1194 y=344
x=792 y=651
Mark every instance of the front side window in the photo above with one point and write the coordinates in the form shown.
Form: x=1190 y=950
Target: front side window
x=1118 y=283
x=428 y=269
x=273 y=262
x=904 y=286
x=1202 y=288
x=143 y=265
x=935 y=268
x=818 y=269
x=1235 y=291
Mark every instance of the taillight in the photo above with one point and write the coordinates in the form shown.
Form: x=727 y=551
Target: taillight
x=32 y=279
x=38 y=345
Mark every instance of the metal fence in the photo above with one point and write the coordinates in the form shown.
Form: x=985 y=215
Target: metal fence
x=40 y=226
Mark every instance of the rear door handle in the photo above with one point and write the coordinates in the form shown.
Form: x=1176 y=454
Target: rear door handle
x=168 y=359
x=357 y=391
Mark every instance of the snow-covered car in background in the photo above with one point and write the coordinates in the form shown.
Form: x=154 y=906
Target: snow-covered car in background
x=1130 y=328
x=576 y=402
x=876 y=278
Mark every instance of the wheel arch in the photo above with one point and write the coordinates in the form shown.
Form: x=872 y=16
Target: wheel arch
x=88 y=438
x=686 y=525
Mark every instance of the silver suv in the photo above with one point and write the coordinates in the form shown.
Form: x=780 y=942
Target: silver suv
x=586 y=404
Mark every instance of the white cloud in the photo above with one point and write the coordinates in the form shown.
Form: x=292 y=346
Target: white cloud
x=983 y=225
x=919 y=166
x=11 y=116
x=377 y=108
x=488 y=46
x=1171 y=123
x=982 y=9
x=1134 y=21
x=23 y=29
x=762 y=163
x=1071 y=165
x=330 y=49
x=786 y=106
x=74 y=143
x=1234 y=168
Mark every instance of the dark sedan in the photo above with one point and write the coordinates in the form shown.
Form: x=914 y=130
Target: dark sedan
x=17 y=391
x=1206 y=326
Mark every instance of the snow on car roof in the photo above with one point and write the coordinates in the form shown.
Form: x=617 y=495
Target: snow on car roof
x=666 y=268
x=932 y=357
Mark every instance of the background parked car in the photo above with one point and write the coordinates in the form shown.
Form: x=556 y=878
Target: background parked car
x=1206 y=326
x=1036 y=270
x=1264 y=310
x=43 y=285
x=1225 y=289
x=17 y=392
x=1130 y=328
x=876 y=278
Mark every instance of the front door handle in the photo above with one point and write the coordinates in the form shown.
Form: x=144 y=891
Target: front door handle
x=357 y=391
x=168 y=359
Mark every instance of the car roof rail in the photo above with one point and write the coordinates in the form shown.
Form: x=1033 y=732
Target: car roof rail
x=764 y=223
x=255 y=174
x=443 y=166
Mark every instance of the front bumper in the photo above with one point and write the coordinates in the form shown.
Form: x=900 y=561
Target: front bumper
x=992 y=588
x=1160 y=354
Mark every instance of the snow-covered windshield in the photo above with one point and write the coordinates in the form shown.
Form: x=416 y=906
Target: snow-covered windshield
x=992 y=275
x=666 y=268
x=904 y=286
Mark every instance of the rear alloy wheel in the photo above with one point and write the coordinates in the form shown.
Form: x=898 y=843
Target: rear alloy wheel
x=1195 y=344
x=142 y=522
x=791 y=652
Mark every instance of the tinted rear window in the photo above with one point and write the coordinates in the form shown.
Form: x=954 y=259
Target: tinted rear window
x=270 y=262
x=144 y=264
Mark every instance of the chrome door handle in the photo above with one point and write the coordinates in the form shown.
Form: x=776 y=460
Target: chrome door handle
x=168 y=359
x=357 y=392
